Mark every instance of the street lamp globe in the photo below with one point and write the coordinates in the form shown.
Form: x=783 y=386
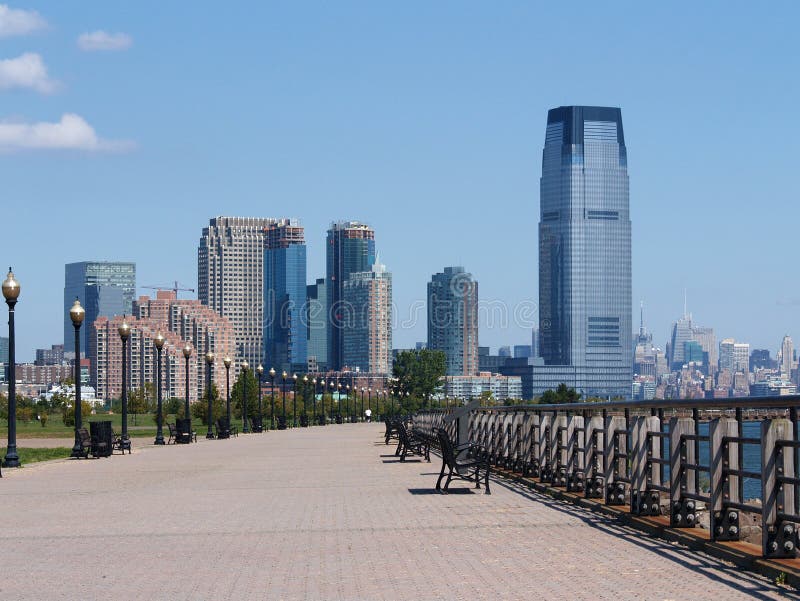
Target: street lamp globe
x=226 y=362
x=159 y=341
x=209 y=357
x=245 y=366
x=124 y=330
x=260 y=370
x=76 y=313
x=271 y=372
x=187 y=350
x=305 y=378
x=11 y=287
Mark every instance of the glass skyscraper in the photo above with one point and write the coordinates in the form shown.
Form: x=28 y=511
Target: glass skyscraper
x=350 y=249
x=285 y=327
x=585 y=253
x=104 y=288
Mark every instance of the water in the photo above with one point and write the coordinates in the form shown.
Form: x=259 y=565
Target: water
x=752 y=458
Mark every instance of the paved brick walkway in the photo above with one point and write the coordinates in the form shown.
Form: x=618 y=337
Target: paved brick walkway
x=323 y=513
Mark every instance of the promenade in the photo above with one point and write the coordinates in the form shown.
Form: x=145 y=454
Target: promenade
x=320 y=513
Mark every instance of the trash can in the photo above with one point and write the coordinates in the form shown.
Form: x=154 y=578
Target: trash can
x=321 y=420
x=102 y=439
x=304 y=421
x=281 y=422
x=183 y=429
x=339 y=419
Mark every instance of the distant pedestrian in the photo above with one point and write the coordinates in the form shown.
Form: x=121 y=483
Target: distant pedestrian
x=368 y=413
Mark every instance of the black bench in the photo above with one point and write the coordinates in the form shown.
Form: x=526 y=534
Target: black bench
x=410 y=444
x=225 y=430
x=391 y=429
x=468 y=462
x=118 y=443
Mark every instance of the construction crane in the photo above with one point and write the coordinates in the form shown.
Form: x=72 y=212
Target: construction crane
x=176 y=287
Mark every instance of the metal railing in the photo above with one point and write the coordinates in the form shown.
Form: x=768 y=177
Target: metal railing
x=640 y=453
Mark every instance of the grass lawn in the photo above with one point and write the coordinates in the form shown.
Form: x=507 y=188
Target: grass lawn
x=138 y=426
x=34 y=455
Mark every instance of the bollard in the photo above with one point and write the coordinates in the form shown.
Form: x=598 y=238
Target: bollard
x=724 y=521
x=778 y=536
x=593 y=458
x=682 y=510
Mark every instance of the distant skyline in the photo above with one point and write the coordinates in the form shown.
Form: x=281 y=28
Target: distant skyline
x=121 y=134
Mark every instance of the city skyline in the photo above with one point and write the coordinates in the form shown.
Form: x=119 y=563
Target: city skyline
x=371 y=131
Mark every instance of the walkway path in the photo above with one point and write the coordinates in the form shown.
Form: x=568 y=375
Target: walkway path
x=321 y=513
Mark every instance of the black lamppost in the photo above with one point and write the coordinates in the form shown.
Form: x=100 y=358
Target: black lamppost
x=11 y=293
x=324 y=419
x=187 y=353
x=283 y=397
x=227 y=363
x=314 y=384
x=348 y=408
x=331 y=385
x=369 y=401
x=158 y=341
x=339 y=400
x=305 y=397
x=210 y=414
x=272 y=391
x=294 y=401
x=245 y=424
x=76 y=314
x=124 y=333
x=260 y=372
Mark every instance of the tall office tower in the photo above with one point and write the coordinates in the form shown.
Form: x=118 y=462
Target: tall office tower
x=453 y=319
x=681 y=333
x=786 y=357
x=535 y=343
x=350 y=249
x=585 y=253
x=3 y=350
x=230 y=278
x=734 y=356
x=707 y=340
x=104 y=288
x=367 y=317
x=285 y=328
x=317 y=319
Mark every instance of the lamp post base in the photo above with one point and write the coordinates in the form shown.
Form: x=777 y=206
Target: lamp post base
x=159 y=440
x=11 y=459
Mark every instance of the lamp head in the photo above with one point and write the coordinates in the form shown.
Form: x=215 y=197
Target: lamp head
x=245 y=366
x=124 y=330
x=76 y=313
x=271 y=372
x=260 y=370
x=159 y=341
x=10 y=287
x=209 y=357
x=305 y=378
x=226 y=362
x=283 y=375
x=187 y=350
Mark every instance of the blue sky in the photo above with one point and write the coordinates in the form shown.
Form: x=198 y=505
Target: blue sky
x=424 y=119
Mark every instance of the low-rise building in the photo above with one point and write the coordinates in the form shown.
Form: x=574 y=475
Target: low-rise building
x=469 y=387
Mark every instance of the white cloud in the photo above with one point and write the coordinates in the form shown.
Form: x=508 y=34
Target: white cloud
x=26 y=71
x=71 y=133
x=14 y=21
x=101 y=40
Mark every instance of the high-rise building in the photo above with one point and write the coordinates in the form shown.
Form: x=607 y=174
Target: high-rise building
x=317 y=319
x=453 y=319
x=3 y=350
x=367 y=331
x=522 y=351
x=350 y=249
x=285 y=327
x=705 y=337
x=681 y=334
x=786 y=357
x=230 y=277
x=504 y=351
x=49 y=356
x=585 y=253
x=104 y=288
x=180 y=322
x=734 y=356
x=761 y=359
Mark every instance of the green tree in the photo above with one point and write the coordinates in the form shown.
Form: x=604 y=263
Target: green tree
x=419 y=372
x=237 y=394
x=200 y=408
x=68 y=412
x=562 y=394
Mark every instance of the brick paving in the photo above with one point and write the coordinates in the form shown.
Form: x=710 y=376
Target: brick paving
x=321 y=513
